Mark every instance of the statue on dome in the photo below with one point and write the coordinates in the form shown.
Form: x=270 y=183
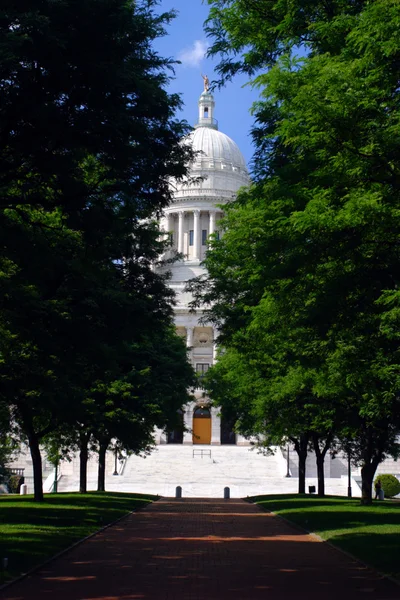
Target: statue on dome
x=206 y=83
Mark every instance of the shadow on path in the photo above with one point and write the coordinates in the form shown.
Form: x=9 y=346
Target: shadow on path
x=195 y=549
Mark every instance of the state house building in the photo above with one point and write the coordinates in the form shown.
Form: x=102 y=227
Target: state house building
x=219 y=170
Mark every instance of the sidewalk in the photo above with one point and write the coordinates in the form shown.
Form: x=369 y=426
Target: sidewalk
x=202 y=549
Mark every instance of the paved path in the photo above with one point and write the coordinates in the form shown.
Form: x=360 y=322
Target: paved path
x=196 y=549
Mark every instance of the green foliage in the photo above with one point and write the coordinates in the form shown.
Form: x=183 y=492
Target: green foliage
x=249 y=36
x=303 y=283
x=89 y=144
x=14 y=483
x=390 y=484
x=8 y=437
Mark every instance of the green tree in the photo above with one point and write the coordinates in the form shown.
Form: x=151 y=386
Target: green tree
x=89 y=142
x=250 y=35
x=318 y=230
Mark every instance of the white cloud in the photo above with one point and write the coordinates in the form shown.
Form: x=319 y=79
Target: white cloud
x=192 y=57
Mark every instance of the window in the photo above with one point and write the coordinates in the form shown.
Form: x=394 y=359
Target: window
x=206 y=112
x=201 y=369
x=202 y=412
x=191 y=235
x=204 y=237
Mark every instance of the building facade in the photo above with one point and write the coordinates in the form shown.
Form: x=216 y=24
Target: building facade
x=216 y=174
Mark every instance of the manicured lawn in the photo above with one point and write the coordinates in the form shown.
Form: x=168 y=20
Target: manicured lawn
x=371 y=533
x=31 y=532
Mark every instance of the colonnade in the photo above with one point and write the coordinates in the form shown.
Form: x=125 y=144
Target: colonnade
x=197 y=227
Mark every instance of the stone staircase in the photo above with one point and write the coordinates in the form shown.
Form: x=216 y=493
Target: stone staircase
x=335 y=467
x=390 y=465
x=205 y=472
x=201 y=471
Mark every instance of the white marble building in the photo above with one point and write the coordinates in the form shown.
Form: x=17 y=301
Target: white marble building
x=216 y=175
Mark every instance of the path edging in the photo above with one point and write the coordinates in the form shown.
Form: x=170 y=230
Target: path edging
x=348 y=554
x=71 y=547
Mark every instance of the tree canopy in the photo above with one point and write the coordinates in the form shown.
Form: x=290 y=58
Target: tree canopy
x=303 y=284
x=88 y=144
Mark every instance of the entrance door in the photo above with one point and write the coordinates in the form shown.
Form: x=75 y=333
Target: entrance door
x=202 y=426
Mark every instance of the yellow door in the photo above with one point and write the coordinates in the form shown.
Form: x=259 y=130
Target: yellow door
x=201 y=426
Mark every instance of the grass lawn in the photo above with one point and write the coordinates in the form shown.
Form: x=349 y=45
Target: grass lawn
x=31 y=532
x=371 y=533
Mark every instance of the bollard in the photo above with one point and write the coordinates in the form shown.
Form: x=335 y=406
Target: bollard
x=227 y=493
x=4 y=563
x=178 y=492
x=23 y=490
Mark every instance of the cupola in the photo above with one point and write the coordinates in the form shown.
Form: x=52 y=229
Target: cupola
x=206 y=111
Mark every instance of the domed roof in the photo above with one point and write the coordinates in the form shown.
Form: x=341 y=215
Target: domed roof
x=219 y=168
x=213 y=145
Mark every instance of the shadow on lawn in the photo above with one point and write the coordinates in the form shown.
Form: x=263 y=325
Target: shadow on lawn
x=370 y=533
x=379 y=550
x=32 y=532
x=328 y=504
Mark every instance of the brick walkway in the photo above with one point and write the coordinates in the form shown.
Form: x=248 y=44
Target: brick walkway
x=203 y=550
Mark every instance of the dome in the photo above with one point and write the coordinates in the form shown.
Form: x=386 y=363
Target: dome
x=219 y=168
x=213 y=145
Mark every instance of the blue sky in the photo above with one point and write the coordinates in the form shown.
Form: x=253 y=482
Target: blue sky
x=187 y=42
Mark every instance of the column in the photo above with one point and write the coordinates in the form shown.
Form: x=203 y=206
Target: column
x=167 y=226
x=163 y=436
x=188 y=423
x=196 y=234
x=211 y=227
x=215 y=427
x=189 y=342
x=167 y=229
x=189 y=337
x=214 y=345
x=181 y=215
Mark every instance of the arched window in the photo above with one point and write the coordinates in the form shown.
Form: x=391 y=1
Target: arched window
x=206 y=112
x=202 y=412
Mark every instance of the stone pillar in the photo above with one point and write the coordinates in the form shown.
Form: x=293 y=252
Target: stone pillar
x=181 y=215
x=167 y=229
x=215 y=427
x=241 y=441
x=188 y=422
x=189 y=342
x=211 y=227
x=189 y=336
x=167 y=226
x=214 y=345
x=196 y=234
x=163 y=436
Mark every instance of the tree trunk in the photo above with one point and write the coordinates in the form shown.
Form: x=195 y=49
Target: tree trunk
x=367 y=478
x=320 y=459
x=321 y=474
x=301 y=446
x=37 y=466
x=101 y=487
x=83 y=460
x=372 y=456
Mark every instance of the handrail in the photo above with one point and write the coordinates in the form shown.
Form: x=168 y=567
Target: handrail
x=201 y=452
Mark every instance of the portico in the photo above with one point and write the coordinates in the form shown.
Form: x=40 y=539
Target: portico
x=190 y=229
